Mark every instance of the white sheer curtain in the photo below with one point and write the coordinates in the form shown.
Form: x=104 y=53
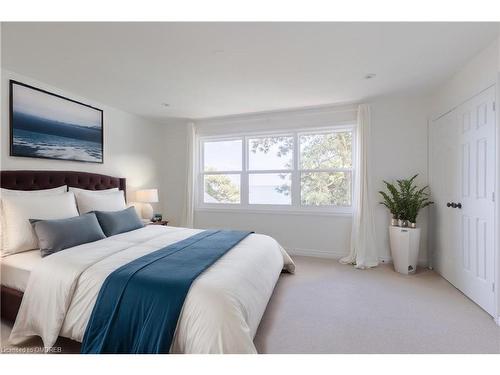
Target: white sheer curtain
x=188 y=217
x=363 y=252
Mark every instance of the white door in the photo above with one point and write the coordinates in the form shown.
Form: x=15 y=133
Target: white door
x=462 y=177
x=476 y=198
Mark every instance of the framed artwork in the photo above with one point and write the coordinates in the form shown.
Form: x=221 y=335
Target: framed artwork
x=49 y=126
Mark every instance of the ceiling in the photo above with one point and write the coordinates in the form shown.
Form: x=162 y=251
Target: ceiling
x=214 y=69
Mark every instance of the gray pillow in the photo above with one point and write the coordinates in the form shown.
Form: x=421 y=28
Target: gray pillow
x=57 y=235
x=116 y=222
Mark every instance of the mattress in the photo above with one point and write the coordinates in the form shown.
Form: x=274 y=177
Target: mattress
x=15 y=269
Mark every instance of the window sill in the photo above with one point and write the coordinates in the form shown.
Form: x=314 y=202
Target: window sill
x=272 y=211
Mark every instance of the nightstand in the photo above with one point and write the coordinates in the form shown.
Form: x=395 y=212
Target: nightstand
x=161 y=222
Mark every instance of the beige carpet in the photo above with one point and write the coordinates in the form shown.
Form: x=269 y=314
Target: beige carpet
x=331 y=308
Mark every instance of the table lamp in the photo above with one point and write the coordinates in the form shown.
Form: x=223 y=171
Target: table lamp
x=147 y=196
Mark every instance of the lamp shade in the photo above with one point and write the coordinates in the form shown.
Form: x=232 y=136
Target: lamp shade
x=147 y=196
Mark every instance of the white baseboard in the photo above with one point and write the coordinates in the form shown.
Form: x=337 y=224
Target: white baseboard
x=337 y=255
x=316 y=253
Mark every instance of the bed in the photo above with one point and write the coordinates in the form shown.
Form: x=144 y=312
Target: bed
x=37 y=180
x=221 y=312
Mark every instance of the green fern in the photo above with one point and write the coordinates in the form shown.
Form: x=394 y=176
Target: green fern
x=405 y=200
x=392 y=200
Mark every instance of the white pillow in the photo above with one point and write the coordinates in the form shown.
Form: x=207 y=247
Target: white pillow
x=77 y=191
x=53 y=191
x=18 y=209
x=114 y=201
x=9 y=192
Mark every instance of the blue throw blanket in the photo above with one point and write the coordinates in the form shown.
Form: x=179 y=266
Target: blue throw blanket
x=139 y=303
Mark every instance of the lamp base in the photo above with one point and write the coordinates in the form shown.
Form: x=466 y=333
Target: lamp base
x=147 y=211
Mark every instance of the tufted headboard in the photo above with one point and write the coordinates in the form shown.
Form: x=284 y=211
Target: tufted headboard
x=36 y=180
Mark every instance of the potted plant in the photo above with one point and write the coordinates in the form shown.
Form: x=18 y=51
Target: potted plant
x=412 y=200
x=391 y=200
x=406 y=200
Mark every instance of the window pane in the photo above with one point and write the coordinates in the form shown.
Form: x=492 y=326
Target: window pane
x=222 y=156
x=267 y=153
x=221 y=188
x=270 y=188
x=325 y=188
x=326 y=151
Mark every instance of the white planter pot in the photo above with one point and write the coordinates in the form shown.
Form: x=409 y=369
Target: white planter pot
x=405 y=243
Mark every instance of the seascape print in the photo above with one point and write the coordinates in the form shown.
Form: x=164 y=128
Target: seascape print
x=48 y=126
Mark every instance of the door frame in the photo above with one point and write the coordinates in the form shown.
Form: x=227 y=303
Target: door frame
x=497 y=204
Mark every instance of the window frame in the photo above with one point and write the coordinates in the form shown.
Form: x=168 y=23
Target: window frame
x=295 y=207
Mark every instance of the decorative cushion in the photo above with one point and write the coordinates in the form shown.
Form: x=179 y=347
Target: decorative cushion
x=56 y=235
x=119 y=221
x=18 y=209
x=112 y=201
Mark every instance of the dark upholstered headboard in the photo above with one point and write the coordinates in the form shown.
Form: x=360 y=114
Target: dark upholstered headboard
x=36 y=180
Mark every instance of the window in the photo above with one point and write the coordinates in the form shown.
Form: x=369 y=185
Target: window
x=291 y=171
x=326 y=169
x=222 y=171
x=270 y=163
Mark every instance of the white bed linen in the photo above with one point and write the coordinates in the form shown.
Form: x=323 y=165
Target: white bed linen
x=15 y=269
x=221 y=312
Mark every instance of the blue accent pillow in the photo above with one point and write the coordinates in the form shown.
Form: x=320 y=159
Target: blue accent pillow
x=116 y=222
x=56 y=235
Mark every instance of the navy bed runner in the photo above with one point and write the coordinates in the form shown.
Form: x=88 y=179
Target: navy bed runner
x=139 y=303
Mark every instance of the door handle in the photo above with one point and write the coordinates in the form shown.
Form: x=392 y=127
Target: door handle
x=449 y=204
x=458 y=205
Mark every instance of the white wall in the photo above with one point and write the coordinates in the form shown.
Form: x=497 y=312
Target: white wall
x=398 y=149
x=132 y=145
x=174 y=167
x=477 y=74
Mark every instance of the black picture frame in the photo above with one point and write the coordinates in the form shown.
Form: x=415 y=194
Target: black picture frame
x=11 y=123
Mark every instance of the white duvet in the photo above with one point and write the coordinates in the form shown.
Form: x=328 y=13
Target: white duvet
x=221 y=312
